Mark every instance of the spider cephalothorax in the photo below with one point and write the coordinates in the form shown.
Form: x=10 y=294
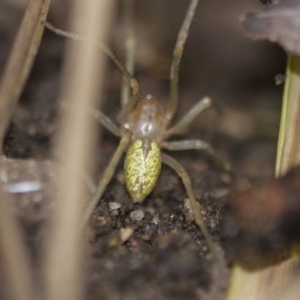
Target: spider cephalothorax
x=146 y=120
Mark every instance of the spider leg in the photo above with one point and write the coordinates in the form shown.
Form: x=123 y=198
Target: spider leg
x=197 y=145
x=105 y=121
x=100 y=117
x=171 y=162
x=130 y=45
x=131 y=80
x=190 y=116
x=108 y=173
x=177 y=54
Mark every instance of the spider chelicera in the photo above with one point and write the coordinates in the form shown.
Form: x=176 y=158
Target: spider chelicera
x=145 y=128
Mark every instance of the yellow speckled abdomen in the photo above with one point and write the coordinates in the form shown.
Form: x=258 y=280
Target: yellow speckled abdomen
x=142 y=168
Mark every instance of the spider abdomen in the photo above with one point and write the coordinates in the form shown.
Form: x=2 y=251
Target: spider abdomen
x=142 y=168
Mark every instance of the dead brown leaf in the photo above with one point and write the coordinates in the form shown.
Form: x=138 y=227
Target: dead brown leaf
x=278 y=23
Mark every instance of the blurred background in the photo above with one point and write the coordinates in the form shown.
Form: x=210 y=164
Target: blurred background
x=218 y=61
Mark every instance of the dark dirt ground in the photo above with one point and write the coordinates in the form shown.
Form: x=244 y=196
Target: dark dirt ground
x=165 y=255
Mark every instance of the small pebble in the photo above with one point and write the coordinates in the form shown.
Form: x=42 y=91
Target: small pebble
x=125 y=234
x=213 y=224
x=114 y=205
x=220 y=193
x=188 y=212
x=120 y=177
x=137 y=215
x=156 y=219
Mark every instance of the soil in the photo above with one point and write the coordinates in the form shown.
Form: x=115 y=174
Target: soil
x=154 y=250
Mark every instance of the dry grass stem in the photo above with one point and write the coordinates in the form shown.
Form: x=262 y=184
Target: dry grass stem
x=21 y=60
x=130 y=47
x=83 y=74
x=288 y=154
x=15 y=265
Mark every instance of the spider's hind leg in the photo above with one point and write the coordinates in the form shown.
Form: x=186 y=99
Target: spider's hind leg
x=197 y=144
x=171 y=162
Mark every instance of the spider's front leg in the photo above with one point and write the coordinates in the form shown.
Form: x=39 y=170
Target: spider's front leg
x=106 y=178
x=177 y=54
x=100 y=117
x=189 y=117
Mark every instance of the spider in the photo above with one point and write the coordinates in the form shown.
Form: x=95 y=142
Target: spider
x=145 y=128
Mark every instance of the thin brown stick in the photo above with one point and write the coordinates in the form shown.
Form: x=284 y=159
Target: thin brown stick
x=84 y=73
x=14 y=257
x=21 y=60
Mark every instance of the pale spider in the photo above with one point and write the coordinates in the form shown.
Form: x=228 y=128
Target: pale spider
x=145 y=127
